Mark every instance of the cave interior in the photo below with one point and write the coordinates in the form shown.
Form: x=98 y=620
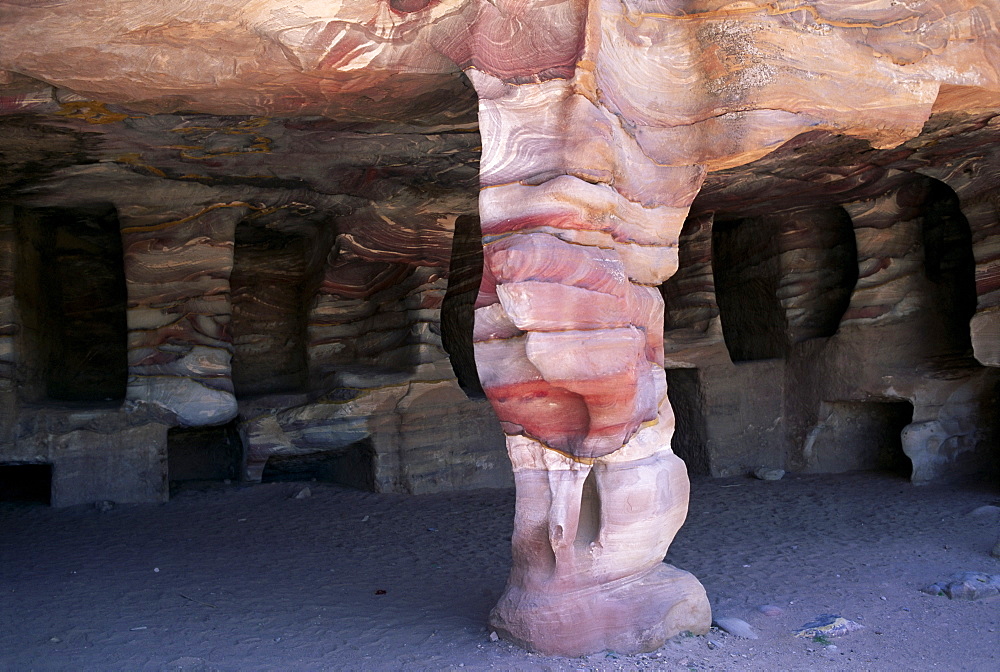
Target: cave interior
x=335 y=265
x=255 y=288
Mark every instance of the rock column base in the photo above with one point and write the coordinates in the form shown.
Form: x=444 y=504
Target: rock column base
x=588 y=547
x=634 y=615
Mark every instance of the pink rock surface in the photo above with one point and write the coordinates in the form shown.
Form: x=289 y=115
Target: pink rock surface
x=600 y=121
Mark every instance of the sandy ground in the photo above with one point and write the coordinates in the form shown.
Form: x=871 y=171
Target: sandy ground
x=248 y=578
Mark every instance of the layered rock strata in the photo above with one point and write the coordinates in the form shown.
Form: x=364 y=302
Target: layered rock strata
x=599 y=121
x=568 y=340
x=260 y=289
x=893 y=365
x=571 y=379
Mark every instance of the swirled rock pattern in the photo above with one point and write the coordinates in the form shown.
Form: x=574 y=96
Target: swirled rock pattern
x=179 y=311
x=895 y=359
x=287 y=180
x=276 y=293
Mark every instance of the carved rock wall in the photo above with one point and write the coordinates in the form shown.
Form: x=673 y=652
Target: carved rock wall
x=866 y=287
x=299 y=299
x=823 y=296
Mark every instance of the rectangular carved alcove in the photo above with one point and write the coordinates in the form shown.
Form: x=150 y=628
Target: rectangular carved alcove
x=26 y=483
x=70 y=290
x=690 y=435
x=352 y=466
x=269 y=321
x=860 y=436
x=204 y=453
x=746 y=265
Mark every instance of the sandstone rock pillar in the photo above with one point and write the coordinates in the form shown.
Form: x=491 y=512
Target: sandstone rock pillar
x=177 y=277
x=579 y=229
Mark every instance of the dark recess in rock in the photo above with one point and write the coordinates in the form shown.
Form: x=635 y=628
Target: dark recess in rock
x=747 y=275
x=683 y=389
x=268 y=327
x=73 y=289
x=352 y=466
x=949 y=264
x=861 y=436
x=204 y=453
x=26 y=483
x=457 y=310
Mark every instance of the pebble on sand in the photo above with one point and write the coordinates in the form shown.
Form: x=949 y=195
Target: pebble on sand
x=736 y=627
x=769 y=473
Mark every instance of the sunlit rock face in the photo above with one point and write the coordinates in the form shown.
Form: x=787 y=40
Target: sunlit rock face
x=587 y=178
x=292 y=190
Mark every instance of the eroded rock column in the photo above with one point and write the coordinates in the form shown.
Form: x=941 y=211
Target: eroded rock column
x=177 y=275
x=579 y=229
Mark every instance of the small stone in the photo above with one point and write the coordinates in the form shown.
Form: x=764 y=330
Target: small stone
x=303 y=493
x=987 y=510
x=770 y=610
x=494 y=637
x=828 y=625
x=55 y=640
x=995 y=551
x=736 y=627
x=104 y=505
x=713 y=645
x=769 y=473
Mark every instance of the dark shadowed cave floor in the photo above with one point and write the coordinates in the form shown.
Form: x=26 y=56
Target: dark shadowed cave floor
x=248 y=578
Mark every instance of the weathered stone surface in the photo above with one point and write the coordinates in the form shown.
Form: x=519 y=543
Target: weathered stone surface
x=902 y=340
x=250 y=292
x=177 y=273
x=966 y=586
x=769 y=473
x=621 y=141
x=736 y=627
x=96 y=454
x=578 y=220
x=589 y=540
